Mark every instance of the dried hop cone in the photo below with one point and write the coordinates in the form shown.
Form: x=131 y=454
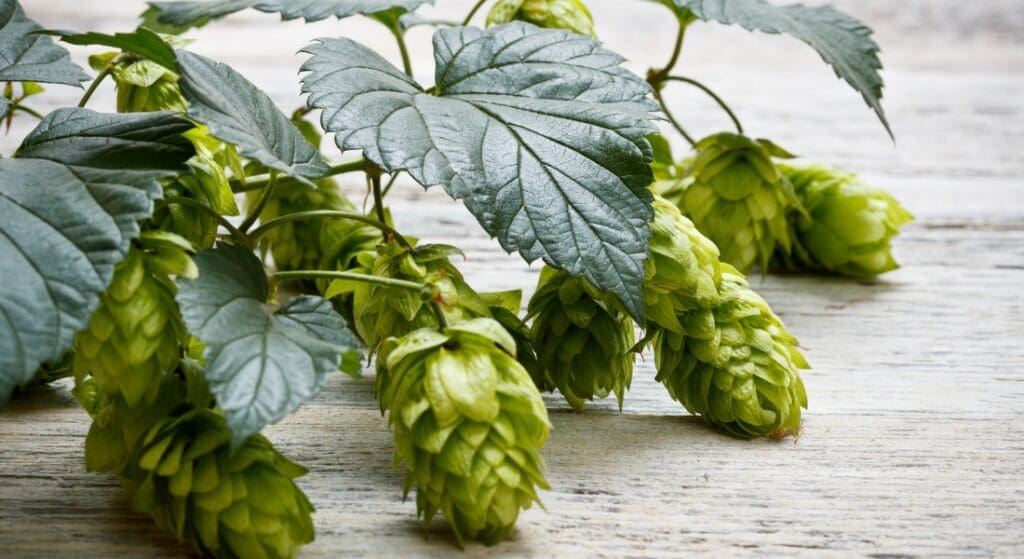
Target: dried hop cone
x=583 y=339
x=382 y=311
x=738 y=198
x=557 y=14
x=227 y=502
x=469 y=425
x=849 y=225
x=683 y=271
x=136 y=333
x=736 y=365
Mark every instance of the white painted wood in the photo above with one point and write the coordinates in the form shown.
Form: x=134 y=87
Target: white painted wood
x=912 y=444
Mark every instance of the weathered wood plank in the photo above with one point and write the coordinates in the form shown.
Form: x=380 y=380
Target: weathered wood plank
x=912 y=445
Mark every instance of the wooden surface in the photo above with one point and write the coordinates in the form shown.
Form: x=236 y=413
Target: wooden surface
x=913 y=442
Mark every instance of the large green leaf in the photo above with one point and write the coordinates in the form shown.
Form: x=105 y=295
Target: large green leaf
x=261 y=363
x=540 y=132
x=239 y=113
x=198 y=13
x=842 y=41
x=70 y=203
x=141 y=42
x=26 y=56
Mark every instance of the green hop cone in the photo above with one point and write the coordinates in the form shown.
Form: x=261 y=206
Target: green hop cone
x=683 y=271
x=145 y=86
x=735 y=365
x=136 y=334
x=849 y=225
x=583 y=339
x=739 y=199
x=384 y=311
x=469 y=425
x=227 y=502
x=557 y=14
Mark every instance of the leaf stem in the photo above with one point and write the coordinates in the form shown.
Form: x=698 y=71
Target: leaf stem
x=27 y=110
x=95 y=83
x=672 y=120
x=442 y=321
x=713 y=95
x=473 y=12
x=327 y=214
x=657 y=77
x=261 y=204
x=378 y=195
x=402 y=48
x=366 y=278
x=391 y=182
x=223 y=221
x=259 y=181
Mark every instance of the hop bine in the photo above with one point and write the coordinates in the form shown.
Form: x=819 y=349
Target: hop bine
x=559 y=14
x=469 y=425
x=136 y=334
x=848 y=228
x=734 y=364
x=738 y=198
x=583 y=339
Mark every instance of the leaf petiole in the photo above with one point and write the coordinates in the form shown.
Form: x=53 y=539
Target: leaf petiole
x=259 y=181
x=95 y=84
x=265 y=197
x=473 y=12
x=713 y=95
x=327 y=214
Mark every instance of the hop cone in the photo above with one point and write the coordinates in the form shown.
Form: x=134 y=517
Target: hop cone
x=469 y=425
x=145 y=86
x=136 y=334
x=582 y=337
x=383 y=311
x=736 y=365
x=683 y=271
x=739 y=199
x=559 y=14
x=227 y=502
x=849 y=226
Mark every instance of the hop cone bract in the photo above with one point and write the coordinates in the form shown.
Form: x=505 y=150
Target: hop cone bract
x=145 y=86
x=582 y=337
x=849 y=225
x=136 y=334
x=739 y=199
x=469 y=425
x=558 y=14
x=735 y=364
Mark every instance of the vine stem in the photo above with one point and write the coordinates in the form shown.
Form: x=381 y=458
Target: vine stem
x=327 y=214
x=259 y=181
x=657 y=77
x=402 y=48
x=672 y=120
x=27 y=110
x=391 y=182
x=713 y=95
x=365 y=278
x=378 y=194
x=223 y=221
x=476 y=8
x=442 y=321
x=95 y=83
x=261 y=204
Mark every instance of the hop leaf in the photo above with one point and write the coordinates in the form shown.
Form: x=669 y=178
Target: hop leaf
x=583 y=339
x=735 y=364
x=558 y=14
x=468 y=423
x=849 y=226
x=136 y=333
x=241 y=503
x=739 y=199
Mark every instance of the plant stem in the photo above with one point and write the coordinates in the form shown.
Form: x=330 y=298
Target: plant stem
x=327 y=214
x=27 y=110
x=673 y=121
x=473 y=12
x=657 y=77
x=402 y=49
x=223 y=221
x=259 y=181
x=95 y=83
x=378 y=195
x=366 y=278
x=706 y=89
x=391 y=182
x=442 y=322
x=265 y=196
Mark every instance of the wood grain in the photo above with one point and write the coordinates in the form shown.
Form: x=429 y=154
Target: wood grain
x=913 y=442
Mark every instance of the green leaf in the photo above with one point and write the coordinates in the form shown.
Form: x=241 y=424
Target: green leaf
x=239 y=113
x=70 y=203
x=141 y=42
x=199 y=13
x=26 y=56
x=539 y=132
x=842 y=41
x=261 y=363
